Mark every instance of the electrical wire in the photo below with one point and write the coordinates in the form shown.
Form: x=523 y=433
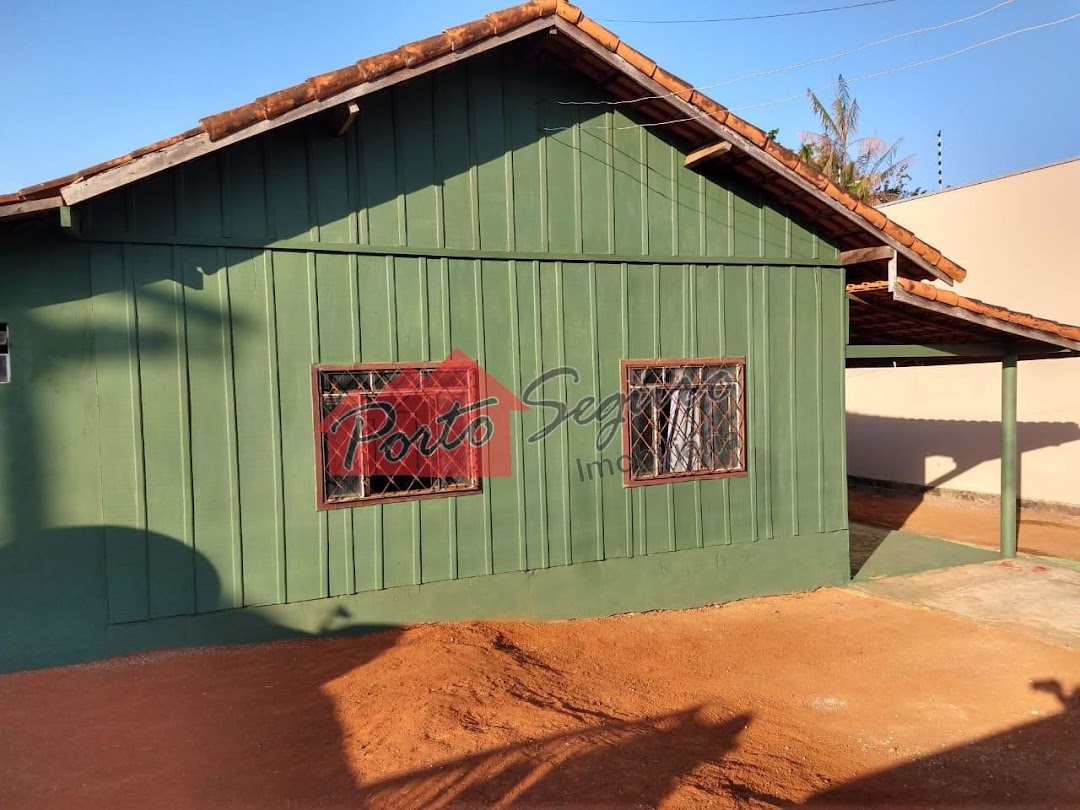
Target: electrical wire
x=878 y=74
x=753 y=17
x=796 y=65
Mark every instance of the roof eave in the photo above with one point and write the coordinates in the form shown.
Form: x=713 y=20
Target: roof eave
x=1018 y=330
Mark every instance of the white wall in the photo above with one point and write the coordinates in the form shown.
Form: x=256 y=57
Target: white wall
x=1019 y=238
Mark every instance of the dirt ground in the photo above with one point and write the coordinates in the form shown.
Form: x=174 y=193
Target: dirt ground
x=1040 y=532
x=832 y=698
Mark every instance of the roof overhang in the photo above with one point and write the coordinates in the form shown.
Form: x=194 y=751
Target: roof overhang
x=911 y=323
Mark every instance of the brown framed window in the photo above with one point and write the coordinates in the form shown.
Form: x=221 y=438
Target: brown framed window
x=391 y=432
x=683 y=419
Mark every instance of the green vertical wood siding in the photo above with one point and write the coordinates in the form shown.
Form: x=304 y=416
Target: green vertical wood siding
x=466 y=211
x=279 y=319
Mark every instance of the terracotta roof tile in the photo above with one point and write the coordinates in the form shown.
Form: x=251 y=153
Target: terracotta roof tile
x=928 y=252
x=781 y=153
x=166 y=142
x=508 y=19
x=840 y=196
x=747 y=130
x=673 y=83
x=636 y=58
x=224 y=123
x=326 y=85
x=868 y=286
x=425 y=50
x=467 y=34
x=899 y=233
x=375 y=67
x=711 y=108
x=949 y=298
x=813 y=175
x=871 y=215
x=599 y=33
x=332 y=83
x=283 y=101
x=950 y=268
x=569 y=12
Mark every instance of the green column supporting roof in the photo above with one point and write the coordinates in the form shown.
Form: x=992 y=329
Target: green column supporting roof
x=1009 y=459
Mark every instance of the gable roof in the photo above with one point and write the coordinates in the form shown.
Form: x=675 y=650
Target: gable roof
x=588 y=47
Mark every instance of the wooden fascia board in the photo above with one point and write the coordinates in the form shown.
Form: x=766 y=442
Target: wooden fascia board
x=199 y=145
x=1005 y=327
x=749 y=149
x=29 y=207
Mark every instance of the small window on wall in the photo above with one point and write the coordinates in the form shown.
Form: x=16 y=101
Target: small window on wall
x=396 y=432
x=684 y=419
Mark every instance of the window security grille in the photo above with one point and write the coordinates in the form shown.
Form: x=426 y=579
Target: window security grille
x=416 y=455
x=684 y=419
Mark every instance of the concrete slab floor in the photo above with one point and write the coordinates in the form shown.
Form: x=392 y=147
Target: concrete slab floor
x=1025 y=595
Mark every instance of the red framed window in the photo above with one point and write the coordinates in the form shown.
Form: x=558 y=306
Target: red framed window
x=683 y=419
x=382 y=433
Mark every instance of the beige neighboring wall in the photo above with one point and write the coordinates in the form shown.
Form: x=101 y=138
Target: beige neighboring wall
x=1019 y=238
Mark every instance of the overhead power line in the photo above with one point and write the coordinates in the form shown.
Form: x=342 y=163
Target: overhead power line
x=753 y=17
x=875 y=75
x=808 y=63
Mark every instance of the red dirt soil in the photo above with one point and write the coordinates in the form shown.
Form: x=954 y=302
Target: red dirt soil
x=1040 y=532
x=830 y=698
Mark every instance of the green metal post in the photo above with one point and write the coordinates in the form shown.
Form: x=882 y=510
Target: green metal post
x=1009 y=460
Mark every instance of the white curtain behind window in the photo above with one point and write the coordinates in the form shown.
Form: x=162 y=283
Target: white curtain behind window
x=683 y=430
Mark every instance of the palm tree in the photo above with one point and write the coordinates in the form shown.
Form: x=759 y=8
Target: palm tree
x=865 y=167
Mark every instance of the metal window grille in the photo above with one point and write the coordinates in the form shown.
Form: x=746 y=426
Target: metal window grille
x=394 y=432
x=684 y=419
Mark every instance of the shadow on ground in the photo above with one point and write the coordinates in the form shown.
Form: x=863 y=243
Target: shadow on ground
x=876 y=551
x=1020 y=767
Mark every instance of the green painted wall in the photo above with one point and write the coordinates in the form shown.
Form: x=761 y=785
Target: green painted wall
x=157 y=457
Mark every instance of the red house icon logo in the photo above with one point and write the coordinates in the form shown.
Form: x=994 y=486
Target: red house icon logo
x=448 y=420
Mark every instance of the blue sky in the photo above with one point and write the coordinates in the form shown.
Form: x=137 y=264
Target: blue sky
x=86 y=81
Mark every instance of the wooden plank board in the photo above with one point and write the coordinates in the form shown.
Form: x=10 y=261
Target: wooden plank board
x=707 y=153
x=869 y=254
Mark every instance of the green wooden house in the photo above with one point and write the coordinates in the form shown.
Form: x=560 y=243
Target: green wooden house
x=660 y=289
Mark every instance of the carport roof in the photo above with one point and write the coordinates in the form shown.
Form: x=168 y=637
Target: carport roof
x=915 y=313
